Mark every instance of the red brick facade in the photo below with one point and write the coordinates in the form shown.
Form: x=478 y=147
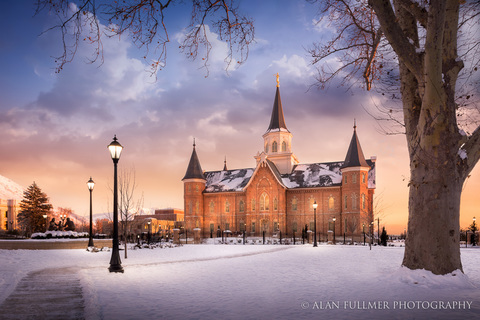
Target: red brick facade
x=266 y=205
x=278 y=196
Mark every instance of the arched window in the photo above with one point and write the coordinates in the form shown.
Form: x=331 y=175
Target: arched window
x=284 y=146
x=363 y=177
x=227 y=206
x=275 y=203
x=242 y=206
x=331 y=203
x=274 y=146
x=345 y=180
x=345 y=202
x=264 y=202
x=354 y=178
x=294 y=204
x=212 y=206
x=197 y=206
x=354 y=201
x=253 y=204
x=363 y=201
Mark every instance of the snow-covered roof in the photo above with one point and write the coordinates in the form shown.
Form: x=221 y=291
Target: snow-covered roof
x=229 y=180
x=314 y=175
x=10 y=190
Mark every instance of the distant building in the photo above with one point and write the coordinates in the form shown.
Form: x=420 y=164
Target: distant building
x=11 y=194
x=278 y=194
x=160 y=223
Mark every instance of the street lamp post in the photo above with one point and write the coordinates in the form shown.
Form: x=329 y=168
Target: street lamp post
x=244 y=233
x=46 y=227
x=149 y=233
x=315 y=205
x=90 y=185
x=115 y=149
x=334 y=219
x=474 y=240
x=363 y=233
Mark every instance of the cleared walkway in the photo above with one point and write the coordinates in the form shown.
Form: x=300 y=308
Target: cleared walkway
x=47 y=294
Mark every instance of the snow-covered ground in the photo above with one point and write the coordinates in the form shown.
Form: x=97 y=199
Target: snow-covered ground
x=258 y=282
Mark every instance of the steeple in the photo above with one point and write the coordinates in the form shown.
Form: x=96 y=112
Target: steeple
x=355 y=157
x=277 y=140
x=194 y=170
x=225 y=164
x=277 y=121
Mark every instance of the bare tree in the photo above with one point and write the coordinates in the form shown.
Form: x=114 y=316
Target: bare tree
x=144 y=21
x=435 y=50
x=128 y=206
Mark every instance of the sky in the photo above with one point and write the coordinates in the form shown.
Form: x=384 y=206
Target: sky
x=55 y=127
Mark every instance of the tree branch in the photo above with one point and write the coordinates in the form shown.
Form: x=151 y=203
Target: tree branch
x=415 y=10
x=396 y=37
x=472 y=148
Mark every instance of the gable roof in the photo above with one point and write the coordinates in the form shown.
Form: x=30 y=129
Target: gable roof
x=194 y=170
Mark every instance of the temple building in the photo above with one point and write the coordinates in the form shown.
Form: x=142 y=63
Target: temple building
x=279 y=193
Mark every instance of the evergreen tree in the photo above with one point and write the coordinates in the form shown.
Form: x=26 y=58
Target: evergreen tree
x=384 y=237
x=32 y=208
x=474 y=228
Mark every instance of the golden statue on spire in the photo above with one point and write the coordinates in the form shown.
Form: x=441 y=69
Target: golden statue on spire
x=278 y=80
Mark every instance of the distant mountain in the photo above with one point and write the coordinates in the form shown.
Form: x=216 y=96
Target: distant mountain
x=10 y=190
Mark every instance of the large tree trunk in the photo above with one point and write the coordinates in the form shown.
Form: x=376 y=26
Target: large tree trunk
x=437 y=172
x=433 y=223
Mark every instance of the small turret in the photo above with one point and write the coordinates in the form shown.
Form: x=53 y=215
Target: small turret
x=194 y=170
x=355 y=157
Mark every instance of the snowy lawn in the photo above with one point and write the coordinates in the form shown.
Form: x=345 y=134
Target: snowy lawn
x=258 y=282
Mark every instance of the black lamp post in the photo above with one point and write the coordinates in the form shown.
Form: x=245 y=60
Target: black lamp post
x=149 y=232
x=474 y=240
x=90 y=185
x=334 y=219
x=115 y=149
x=46 y=227
x=315 y=205
x=363 y=233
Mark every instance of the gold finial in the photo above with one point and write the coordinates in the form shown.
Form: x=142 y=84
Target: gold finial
x=278 y=80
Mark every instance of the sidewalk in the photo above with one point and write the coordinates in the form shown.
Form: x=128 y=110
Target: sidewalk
x=51 y=244
x=48 y=294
